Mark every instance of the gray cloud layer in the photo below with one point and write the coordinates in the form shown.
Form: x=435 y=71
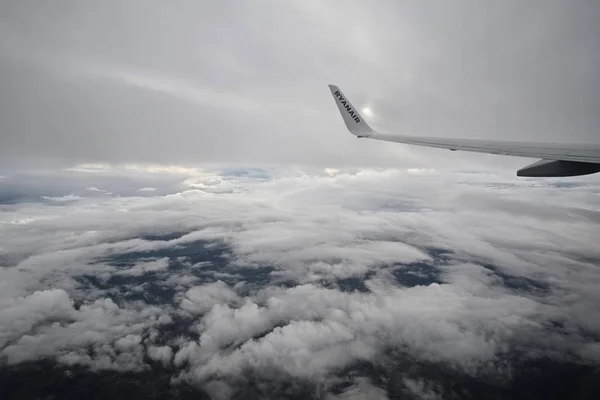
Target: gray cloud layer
x=194 y=82
x=519 y=274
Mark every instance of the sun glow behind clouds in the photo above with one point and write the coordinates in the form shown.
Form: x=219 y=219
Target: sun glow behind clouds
x=367 y=112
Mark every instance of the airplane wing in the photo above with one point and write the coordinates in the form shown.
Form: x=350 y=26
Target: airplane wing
x=557 y=159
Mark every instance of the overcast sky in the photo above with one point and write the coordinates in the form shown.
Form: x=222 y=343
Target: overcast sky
x=193 y=82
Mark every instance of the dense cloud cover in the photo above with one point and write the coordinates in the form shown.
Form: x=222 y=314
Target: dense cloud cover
x=342 y=283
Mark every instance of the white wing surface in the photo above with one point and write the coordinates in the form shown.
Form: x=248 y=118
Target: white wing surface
x=557 y=159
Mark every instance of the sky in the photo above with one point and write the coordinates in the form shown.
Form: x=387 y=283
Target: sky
x=191 y=82
x=182 y=206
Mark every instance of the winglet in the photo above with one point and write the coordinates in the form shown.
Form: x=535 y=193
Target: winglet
x=354 y=121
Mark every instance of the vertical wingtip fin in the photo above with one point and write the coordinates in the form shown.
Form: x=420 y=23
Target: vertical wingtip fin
x=352 y=118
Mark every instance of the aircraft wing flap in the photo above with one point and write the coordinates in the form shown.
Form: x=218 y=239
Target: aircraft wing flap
x=591 y=154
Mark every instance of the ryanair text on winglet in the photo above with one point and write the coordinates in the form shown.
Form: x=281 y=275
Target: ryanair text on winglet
x=347 y=106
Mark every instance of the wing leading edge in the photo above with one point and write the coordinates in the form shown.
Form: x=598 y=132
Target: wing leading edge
x=557 y=159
